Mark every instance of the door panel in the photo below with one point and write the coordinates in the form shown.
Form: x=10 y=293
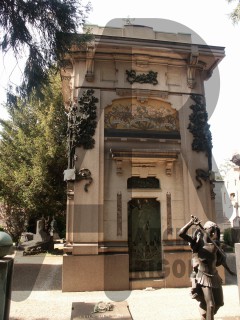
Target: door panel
x=144 y=235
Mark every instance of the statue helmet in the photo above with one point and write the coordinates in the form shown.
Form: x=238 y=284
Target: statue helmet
x=209 y=224
x=214 y=226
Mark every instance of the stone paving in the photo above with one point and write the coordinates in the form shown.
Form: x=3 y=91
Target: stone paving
x=37 y=295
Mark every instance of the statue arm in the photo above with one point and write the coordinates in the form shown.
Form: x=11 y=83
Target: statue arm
x=183 y=231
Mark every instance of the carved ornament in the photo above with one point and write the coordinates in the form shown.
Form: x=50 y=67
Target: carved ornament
x=193 y=64
x=82 y=123
x=169 y=166
x=202 y=175
x=150 y=77
x=90 y=62
x=129 y=114
x=191 y=69
x=84 y=174
x=119 y=166
x=199 y=127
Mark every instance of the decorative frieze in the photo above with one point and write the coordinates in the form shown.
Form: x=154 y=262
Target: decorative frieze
x=129 y=114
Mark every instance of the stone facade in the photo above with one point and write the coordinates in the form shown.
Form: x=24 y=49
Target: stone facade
x=134 y=184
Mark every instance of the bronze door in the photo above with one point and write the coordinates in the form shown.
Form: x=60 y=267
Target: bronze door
x=144 y=235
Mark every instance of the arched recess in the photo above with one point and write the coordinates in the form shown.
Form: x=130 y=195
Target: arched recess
x=144 y=235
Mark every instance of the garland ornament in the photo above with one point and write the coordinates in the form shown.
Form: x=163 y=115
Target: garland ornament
x=200 y=129
x=150 y=77
x=84 y=174
x=82 y=123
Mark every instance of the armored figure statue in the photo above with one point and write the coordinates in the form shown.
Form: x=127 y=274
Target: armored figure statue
x=207 y=256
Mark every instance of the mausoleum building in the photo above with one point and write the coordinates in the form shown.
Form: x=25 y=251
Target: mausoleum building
x=139 y=157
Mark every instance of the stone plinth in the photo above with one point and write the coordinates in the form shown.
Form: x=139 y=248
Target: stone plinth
x=95 y=273
x=6 y=269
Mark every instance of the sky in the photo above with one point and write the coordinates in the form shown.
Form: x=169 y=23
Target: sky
x=209 y=19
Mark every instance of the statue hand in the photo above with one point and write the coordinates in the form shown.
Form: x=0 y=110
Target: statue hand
x=195 y=220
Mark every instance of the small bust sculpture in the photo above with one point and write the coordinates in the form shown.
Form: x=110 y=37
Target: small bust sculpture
x=6 y=244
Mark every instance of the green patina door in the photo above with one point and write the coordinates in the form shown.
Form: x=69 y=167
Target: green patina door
x=144 y=235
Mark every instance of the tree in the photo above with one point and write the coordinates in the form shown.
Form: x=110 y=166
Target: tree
x=33 y=157
x=225 y=167
x=41 y=29
x=235 y=14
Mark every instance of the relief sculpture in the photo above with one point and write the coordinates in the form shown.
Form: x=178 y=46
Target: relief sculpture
x=131 y=115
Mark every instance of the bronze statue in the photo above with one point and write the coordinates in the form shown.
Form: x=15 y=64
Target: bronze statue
x=207 y=256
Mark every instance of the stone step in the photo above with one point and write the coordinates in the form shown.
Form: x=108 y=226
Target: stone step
x=147 y=283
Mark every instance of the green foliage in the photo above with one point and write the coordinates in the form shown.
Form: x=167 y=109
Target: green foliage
x=33 y=158
x=41 y=29
x=225 y=167
x=235 y=14
x=227 y=237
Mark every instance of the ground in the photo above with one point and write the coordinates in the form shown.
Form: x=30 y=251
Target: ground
x=37 y=295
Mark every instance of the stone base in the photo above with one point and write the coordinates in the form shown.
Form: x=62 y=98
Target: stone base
x=95 y=272
x=111 y=272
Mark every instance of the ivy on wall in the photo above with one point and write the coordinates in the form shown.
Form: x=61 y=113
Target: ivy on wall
x=200 y=129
